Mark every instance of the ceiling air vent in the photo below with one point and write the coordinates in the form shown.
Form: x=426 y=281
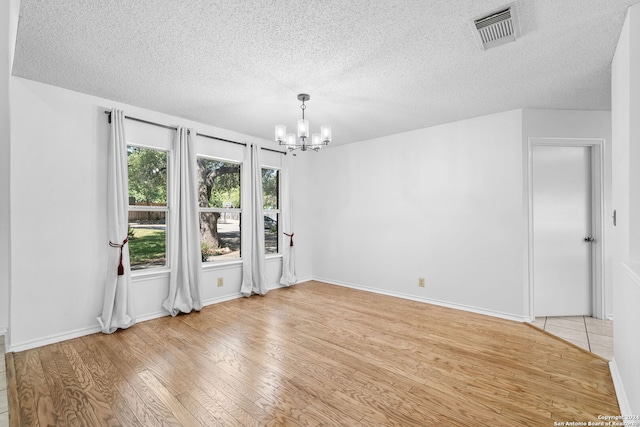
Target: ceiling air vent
x=497 y=28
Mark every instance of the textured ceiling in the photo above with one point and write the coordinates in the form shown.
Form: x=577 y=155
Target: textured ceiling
x=372 y=68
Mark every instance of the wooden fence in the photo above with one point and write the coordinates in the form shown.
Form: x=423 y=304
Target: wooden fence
x=155 y=217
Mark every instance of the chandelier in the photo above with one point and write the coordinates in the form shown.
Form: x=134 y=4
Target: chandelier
x=318 y=140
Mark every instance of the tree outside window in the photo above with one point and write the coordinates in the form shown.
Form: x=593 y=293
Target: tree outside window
x=271 y=207
x=220 y=210
x=148 y=209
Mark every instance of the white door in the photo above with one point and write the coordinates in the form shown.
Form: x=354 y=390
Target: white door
x=561 y=222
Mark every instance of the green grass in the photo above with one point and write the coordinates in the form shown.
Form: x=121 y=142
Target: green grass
x=147 y=247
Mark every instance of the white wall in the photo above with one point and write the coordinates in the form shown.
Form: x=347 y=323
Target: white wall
x=58 y=207
x=5 y=133
x=304 y=216
x=626 y=200
x=443 y=203
x=447 y=203
x=8 y=25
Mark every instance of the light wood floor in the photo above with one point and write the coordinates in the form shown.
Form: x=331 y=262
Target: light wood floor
x=313 y=354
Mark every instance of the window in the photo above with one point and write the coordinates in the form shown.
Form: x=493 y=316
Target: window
x=148 y=208
x=271 y=206
x=220 y=210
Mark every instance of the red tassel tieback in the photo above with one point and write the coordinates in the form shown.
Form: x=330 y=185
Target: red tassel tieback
x=115 y=245
x=290 y=238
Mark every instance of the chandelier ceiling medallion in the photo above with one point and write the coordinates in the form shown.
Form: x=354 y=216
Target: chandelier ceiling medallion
x=318 y=139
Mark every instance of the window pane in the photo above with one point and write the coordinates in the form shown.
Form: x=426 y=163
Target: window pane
x=270 y=188
x=219 y=188
x=220 y=235
x=147 y=169
x=271 y=233
x=147 y=176
x=218 y=184
x=271 y=202
x=147 y=239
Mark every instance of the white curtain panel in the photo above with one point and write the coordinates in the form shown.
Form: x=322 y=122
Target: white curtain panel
x=117 y=309
x=288 y=277
x=185 y=259
x=254 y=277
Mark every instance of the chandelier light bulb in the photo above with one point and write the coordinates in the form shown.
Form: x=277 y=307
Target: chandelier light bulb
x=316 y=140
x=303 y=128
x=325 y=132
x=281 y=131
x=290 y=140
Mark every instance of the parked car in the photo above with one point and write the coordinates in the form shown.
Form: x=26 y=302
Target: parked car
x=270 y=223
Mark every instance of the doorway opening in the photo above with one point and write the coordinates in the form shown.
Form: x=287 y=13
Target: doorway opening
x=565 y=227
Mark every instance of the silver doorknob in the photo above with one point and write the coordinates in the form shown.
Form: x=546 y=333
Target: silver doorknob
x=589 y=239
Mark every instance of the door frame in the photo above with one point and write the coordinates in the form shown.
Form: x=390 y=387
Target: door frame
x=596 y=146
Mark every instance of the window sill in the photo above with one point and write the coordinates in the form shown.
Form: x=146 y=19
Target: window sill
x=140 y=275
x=218 y=265
x=150 y=274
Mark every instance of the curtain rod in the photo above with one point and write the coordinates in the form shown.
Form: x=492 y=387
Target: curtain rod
x=197 y=134
x=135 y=119
x=275 y=151
x=220 y=139
x=239 y=143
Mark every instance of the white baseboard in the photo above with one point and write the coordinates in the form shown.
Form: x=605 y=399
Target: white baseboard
x=27 y=345
x=3 y=331
x=623 y=401
x=210 y=301
x=218 y=300
x=51 y=339
x=151 y=316
x=477 y=310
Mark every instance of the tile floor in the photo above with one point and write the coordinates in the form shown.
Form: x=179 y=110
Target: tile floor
x=4 y=405
x=595 y=335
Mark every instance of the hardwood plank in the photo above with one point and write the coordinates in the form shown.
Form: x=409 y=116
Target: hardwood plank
x=44 y=404
x=103 y=383
x=170 y=402
x=73 y=390
x=215 y=408
x=86 y=379
x=217 y=383
x=191 y=404
x=312 y=355
x=15 y=417
x=166 y=367
x=25 y=393
x=63 y=410
x=123 y=379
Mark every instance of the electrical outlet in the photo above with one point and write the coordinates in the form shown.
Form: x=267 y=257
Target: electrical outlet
x=421 y=282
x=220 y=281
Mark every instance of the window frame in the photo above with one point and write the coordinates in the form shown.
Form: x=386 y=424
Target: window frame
x=277 y=212
x=166 y=209
x=210 y=264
